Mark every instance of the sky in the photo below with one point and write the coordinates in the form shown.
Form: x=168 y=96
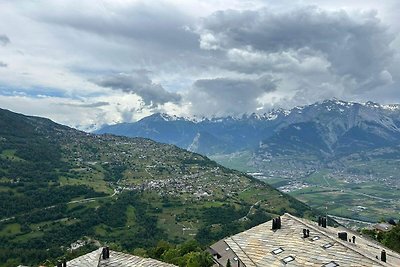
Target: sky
x=89 y=63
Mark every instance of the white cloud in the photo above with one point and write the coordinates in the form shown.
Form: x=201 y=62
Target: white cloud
x=202 y=56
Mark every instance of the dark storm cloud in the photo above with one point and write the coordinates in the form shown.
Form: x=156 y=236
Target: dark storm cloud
x=154 y=25
x=224 y=96
x=140 y=84
x=357 y=47
x=4 y=40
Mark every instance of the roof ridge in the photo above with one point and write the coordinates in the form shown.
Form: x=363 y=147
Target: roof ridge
x=334 y=239
x=100 y=250
x=374 y=242
x=231 y=237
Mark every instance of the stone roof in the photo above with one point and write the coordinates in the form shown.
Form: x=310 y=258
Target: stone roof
x=261 y=246
x=117 y=259
x=90 y=259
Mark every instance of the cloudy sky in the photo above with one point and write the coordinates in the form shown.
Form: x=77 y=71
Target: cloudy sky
x=87 y=63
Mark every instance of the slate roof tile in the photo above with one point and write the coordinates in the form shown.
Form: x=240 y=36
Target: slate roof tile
x=117 y=259
x=254 y=247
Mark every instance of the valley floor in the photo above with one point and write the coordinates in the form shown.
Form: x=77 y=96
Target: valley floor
x=366 y=193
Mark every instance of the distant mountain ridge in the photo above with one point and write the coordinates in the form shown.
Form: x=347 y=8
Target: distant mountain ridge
x=328 y=128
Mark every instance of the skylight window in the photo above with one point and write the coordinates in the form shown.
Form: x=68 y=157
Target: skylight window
x=327 y=245
x=315 y=238
x=330 y=264
x=288 y=259
x=277 y=251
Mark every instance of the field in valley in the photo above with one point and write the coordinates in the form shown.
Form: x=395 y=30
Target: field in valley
x=365 y=191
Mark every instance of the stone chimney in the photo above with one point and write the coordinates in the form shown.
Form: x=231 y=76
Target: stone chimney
x=323 y=222
x=276 y=223
x=383 y=255
x=105 y=253
x=343 y=236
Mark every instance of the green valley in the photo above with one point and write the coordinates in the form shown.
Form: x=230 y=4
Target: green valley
x=362 y=186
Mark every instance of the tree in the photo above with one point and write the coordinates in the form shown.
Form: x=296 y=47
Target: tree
x=198 y=259
x=140 y=252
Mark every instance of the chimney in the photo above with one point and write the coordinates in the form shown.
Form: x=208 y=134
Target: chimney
x=104 y=253
x=343 y=236
x=108 y=252
x=354 y=239
x=59 y=264
x=383 y=255
x=319 y=221
x=276 y=223
x=323 y=222
x=64 y=263
x=306 y=233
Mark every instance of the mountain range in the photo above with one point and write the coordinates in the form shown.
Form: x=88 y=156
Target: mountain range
x=332 y=128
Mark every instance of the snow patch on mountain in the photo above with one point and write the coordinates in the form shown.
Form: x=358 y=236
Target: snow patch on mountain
x=391 y=107
x=194 y=146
